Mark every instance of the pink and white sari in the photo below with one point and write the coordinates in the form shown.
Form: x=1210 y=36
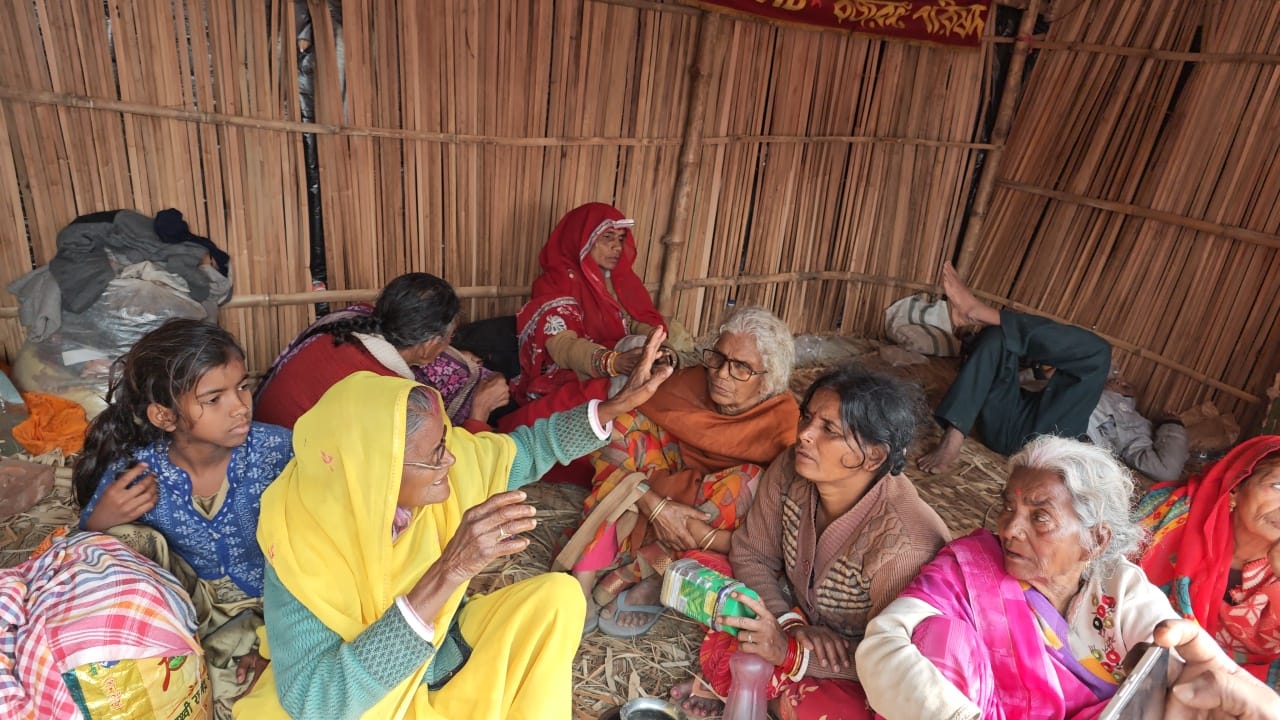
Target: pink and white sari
x=1008 y=649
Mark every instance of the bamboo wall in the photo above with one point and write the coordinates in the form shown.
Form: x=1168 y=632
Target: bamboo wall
x=157 y=66
x=1140 y=195
x=833 y=170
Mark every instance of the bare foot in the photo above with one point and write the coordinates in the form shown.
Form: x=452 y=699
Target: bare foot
x=693 y=698
x=962 y=305
x=948 y=450
x=646 y=592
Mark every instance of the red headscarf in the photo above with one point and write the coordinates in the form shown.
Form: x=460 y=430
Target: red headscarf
x=1193 y=566
x=570 y=294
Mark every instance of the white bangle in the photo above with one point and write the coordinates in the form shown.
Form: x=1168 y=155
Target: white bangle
x=804 y=666
x=789 y=615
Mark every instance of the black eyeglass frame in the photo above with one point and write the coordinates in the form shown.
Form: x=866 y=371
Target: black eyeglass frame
x=714 y=360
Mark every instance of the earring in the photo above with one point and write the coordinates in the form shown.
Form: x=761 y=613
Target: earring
x=1232 y=506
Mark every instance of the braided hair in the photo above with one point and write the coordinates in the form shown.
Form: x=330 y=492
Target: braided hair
x=411 y=309
x=876 y=408
x=160 y=368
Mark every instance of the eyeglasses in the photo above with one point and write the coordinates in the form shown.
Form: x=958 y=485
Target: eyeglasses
x=738 y=369
x=437 y=459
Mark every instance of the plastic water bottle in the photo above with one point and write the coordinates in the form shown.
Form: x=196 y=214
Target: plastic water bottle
x=747 y=699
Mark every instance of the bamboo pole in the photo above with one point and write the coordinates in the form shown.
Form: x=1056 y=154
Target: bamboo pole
x=1227 y=231
x=673 y=241
x=803 y=277
x=66 y=100
x=1150 y=53
x=1000 y=137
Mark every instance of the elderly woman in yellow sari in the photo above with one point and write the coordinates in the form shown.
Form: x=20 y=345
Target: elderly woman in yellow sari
x=372 y=534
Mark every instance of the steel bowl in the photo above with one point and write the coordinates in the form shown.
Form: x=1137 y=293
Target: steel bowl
x=646 y=709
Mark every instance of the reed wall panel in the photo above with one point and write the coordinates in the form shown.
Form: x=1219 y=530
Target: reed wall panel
x=241 y=186
x=452 y=136
x=1196 y=141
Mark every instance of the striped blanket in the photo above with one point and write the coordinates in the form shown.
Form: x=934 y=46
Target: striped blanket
x=87 y=598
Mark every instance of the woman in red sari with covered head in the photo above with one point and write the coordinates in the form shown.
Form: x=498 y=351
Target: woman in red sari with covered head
x=587 y=298
x=1215 y=547
x=679 y=474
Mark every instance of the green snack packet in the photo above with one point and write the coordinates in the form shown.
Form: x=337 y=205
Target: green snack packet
x=700 y=593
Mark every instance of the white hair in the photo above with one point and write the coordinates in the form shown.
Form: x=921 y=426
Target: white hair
x=1101 y=490
x=773 y=340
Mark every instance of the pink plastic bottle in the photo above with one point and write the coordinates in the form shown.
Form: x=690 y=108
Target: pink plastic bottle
x=747 y=699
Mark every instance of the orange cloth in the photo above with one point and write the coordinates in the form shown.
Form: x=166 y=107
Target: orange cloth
x=711 y=441
x=54 y=422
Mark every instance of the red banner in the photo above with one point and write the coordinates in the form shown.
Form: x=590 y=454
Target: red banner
x=944 y=22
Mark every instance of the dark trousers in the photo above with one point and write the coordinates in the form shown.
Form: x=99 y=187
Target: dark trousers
x=986 y=390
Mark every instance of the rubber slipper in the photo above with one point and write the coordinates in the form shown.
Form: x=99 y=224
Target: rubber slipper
x=609 y=625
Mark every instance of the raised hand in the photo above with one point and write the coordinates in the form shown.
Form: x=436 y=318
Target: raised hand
x=492 y=393
x=642 y=382
x=488 y=531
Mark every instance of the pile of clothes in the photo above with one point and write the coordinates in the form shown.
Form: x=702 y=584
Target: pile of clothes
x=116 y=276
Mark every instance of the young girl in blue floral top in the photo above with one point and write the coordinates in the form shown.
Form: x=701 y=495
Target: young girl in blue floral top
x=176 y=451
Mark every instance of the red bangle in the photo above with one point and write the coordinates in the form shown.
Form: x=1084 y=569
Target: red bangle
x=788 y=664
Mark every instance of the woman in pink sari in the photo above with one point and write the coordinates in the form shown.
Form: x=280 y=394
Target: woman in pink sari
x=1033 y=621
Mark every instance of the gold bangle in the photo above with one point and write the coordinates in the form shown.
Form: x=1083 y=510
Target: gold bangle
x=658 y=508
x=707 y=539
x=611 y=364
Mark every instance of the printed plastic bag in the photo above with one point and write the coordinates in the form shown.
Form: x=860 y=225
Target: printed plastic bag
x=165 y=688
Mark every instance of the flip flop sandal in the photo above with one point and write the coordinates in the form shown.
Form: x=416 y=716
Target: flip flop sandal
x=609 y=625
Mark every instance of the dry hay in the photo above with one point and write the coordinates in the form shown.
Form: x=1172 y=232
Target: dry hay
x=22 y=533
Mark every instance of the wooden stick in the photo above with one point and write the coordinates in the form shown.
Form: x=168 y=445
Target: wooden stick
x=1226 y=231
x=973 y=234
x=802 y=277
x=222 y=119
x=673 y=240
x=1041 y=44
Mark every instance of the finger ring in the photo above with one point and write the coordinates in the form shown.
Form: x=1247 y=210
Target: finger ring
x=502 y=532
x=746 y=637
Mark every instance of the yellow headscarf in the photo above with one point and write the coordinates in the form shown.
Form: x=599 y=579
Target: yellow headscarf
x=325 y=525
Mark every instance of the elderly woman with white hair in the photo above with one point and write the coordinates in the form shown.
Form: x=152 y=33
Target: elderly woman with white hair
x=680 y=473
x=1034 y=620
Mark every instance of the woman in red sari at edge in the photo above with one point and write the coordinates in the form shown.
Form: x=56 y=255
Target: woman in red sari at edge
x=587 y=298
x=1223 y=572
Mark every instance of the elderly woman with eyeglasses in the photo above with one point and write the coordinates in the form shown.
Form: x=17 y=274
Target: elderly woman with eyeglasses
x=1032 y=621
x=372 y=535
x=679 y=474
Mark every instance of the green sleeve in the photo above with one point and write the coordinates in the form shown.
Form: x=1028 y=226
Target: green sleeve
x=561 y=438
x=319 y=675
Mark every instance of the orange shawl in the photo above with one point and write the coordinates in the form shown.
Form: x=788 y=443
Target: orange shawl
x=710 y=441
